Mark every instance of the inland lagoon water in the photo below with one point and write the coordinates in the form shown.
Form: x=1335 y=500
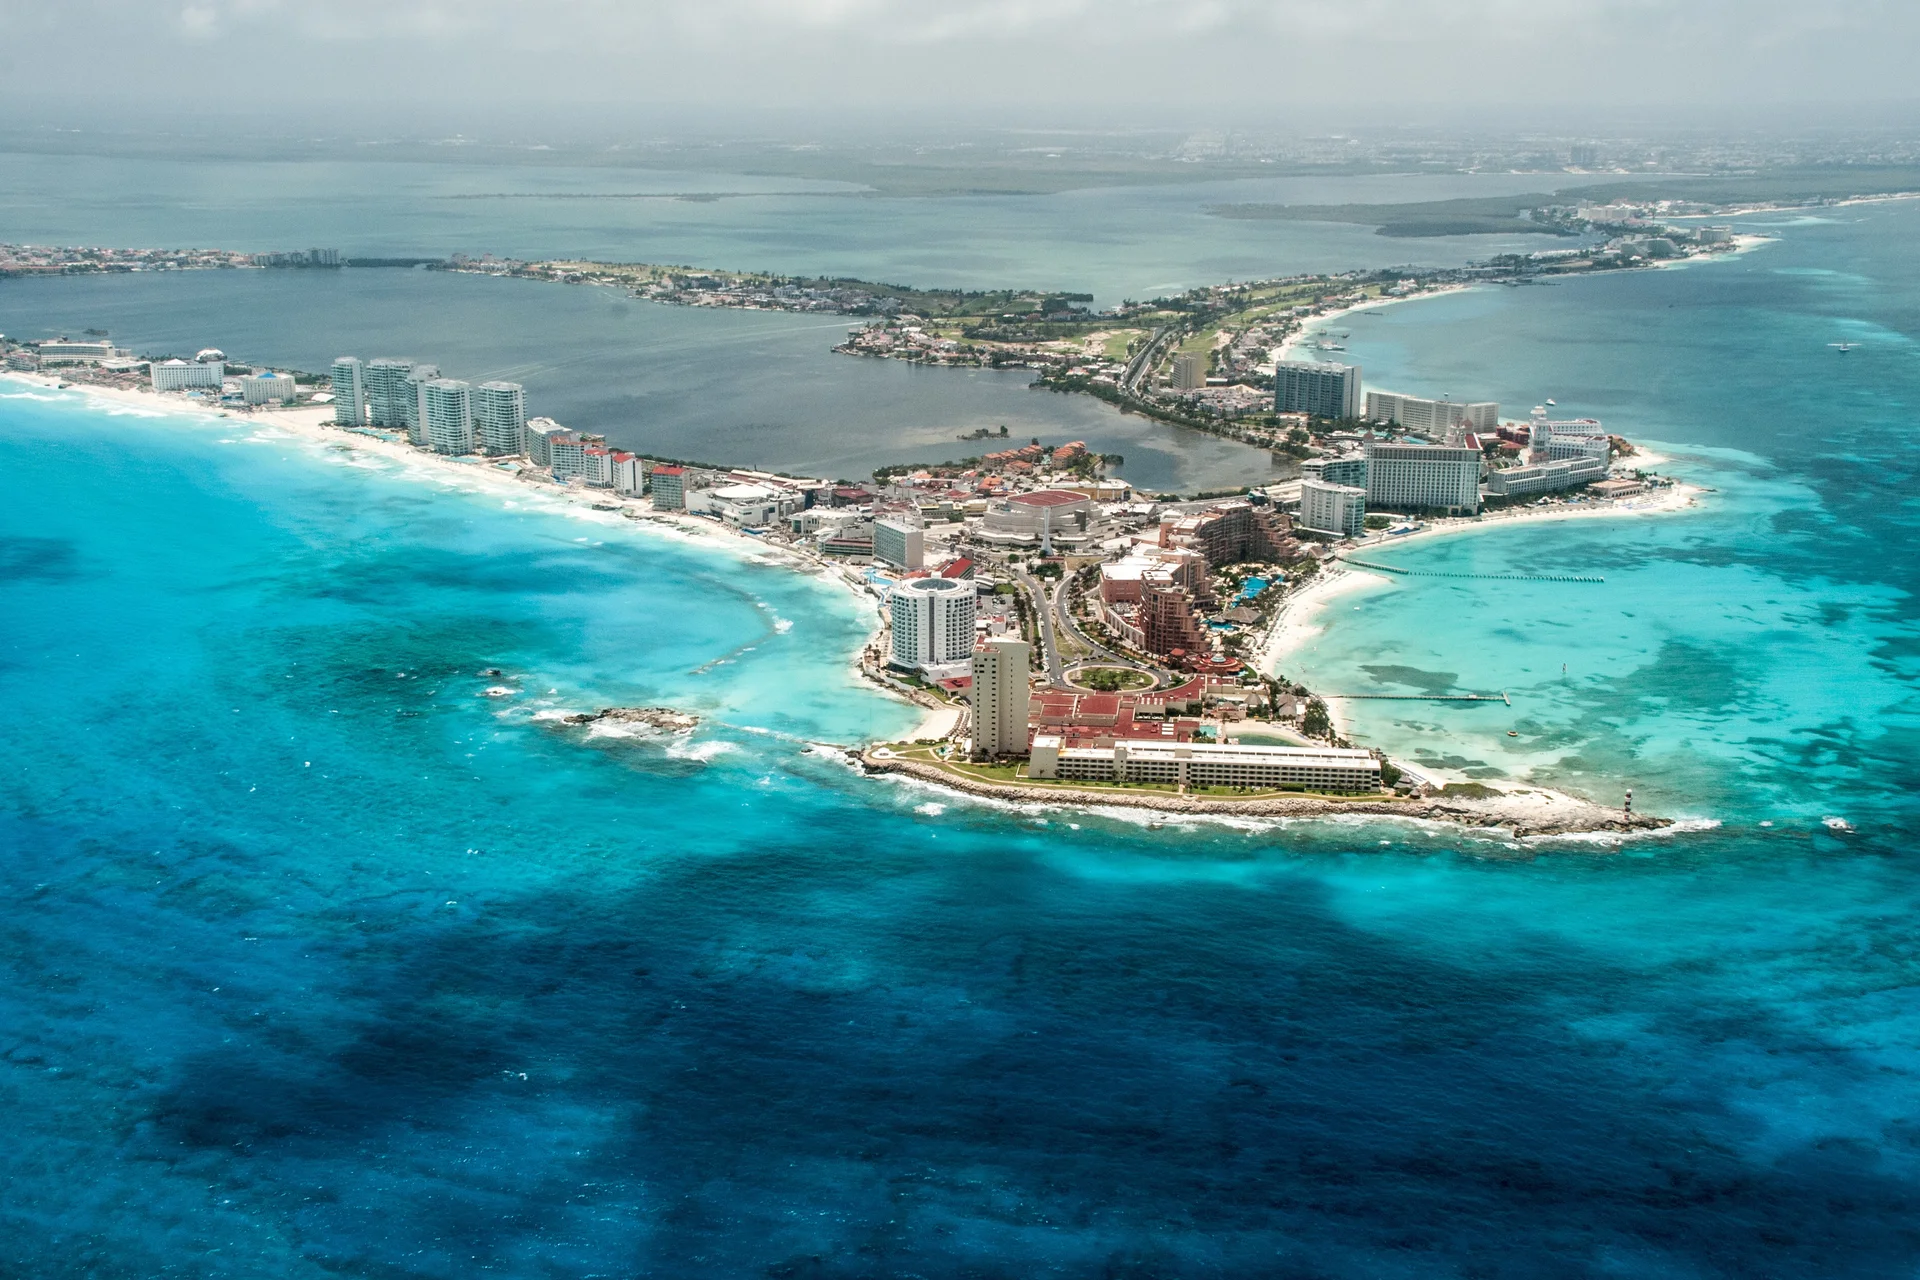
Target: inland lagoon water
x=320 y=961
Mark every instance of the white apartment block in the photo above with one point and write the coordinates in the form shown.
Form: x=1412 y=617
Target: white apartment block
x=1434 y=417
x=1321 y=390
x=629 y=474
x=349 y=392
x=534 y=437
x=179 y=375
x=388 y=391
x=1333 y=508
x=1423 y=477
x=415 y=408
x=1200 y=764
x=268 y=388
x=596 y=466
x=566 y=454
x=1001 y=697
x=499 y=417
x=446 y=414
x=902 y=545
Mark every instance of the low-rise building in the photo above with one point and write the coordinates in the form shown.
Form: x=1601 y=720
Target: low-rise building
x=1431 y=417
x=1046 y=518
x=749 y=506
x=1534 y=478
x=1618 y=487
x=268 y=388
x=535 y=437
x=180 y=375
x=1191 y=765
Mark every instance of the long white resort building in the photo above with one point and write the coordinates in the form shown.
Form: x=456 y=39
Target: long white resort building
x=1435 y=417
x=1200 y=764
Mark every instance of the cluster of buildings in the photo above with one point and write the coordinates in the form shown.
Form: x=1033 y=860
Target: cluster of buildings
x=28 y=259
x=209 y=374
x=1158 y=597
x=1440 y=456
x=1150 y=739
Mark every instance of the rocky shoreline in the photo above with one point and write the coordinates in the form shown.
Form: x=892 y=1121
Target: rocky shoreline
x=1525 y=813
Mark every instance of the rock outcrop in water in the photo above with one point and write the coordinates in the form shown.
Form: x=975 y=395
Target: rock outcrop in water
x=665 y=719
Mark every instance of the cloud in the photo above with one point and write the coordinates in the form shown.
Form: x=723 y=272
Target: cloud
x=823 y=53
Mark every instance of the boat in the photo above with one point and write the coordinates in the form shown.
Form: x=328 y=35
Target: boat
x=1513 y=733
x=1843 y=347
x=1839 y=826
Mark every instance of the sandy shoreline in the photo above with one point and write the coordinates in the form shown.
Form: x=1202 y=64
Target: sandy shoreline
x=514 y=482
x=1529 y=812
x=1311 y=327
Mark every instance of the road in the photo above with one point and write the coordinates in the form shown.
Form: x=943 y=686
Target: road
x=1043 y=619
x=1142 y=364
x=1055 y=615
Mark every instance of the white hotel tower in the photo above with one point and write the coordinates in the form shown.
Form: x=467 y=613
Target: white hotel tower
x=446 y=412
x=933 y=626
x=349 y=392
x=500 y=417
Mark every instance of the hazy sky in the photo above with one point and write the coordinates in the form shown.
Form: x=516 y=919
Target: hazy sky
x=390 y=58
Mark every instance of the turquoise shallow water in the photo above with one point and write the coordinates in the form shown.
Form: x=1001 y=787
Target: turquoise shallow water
x=1749 y=659
x=320 y=963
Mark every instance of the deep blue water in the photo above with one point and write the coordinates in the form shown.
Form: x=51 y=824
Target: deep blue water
x=320 y=962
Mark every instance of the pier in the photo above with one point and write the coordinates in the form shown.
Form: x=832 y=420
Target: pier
x=1421 y=697
x=1498 y=577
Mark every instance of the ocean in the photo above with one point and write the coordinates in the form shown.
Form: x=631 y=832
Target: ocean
x=322 y=962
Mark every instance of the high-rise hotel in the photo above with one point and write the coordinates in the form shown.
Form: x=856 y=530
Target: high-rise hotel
x=349 y=392
x=933 y=625
x=1423 y=477
x=446 y=413
x=1001 y=697
x=500 y=417
x=388 y=391
x=1319 y=390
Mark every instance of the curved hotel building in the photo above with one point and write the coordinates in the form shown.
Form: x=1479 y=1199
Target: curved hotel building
x=933 y=626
